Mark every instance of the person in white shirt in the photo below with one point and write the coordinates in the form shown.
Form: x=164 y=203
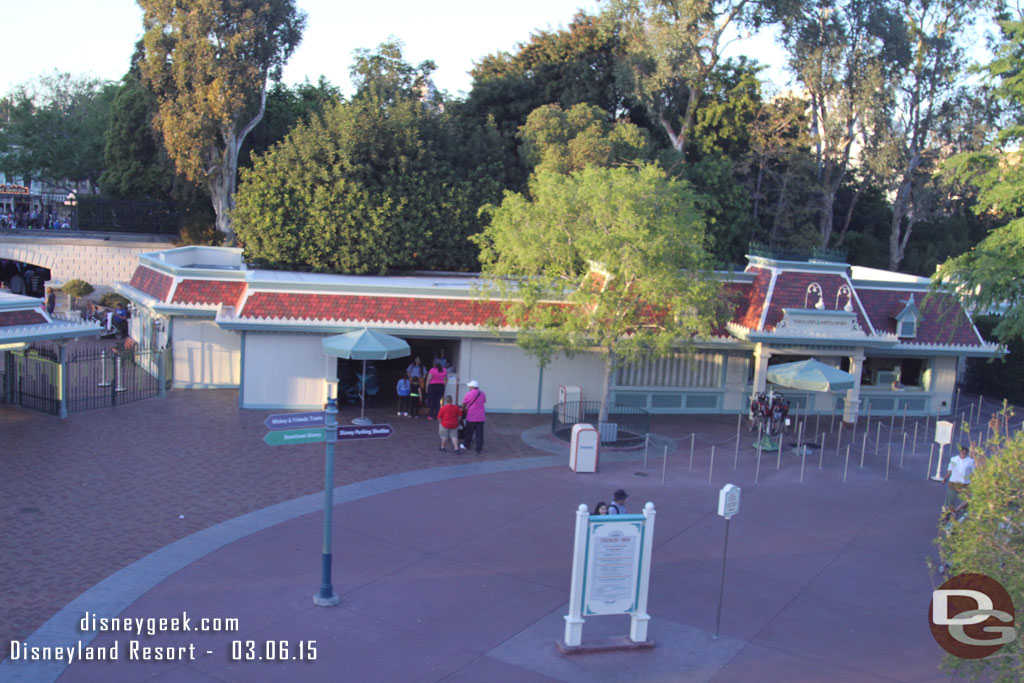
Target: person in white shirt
x=958 y=476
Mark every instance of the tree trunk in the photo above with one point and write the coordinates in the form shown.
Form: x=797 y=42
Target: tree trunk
x=606 y=390
x=222 y=178
x=901 y=209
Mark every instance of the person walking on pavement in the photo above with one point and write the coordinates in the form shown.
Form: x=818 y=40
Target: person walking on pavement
x=448 y=417
x=961 y=466
x=473 y=407
x=619 y=506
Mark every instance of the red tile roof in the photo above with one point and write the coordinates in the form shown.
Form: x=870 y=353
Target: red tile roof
x=944 y=321
x=380 y=309
x=791 y=292
x=748 y=312
x=155 y=284
x=11 y=318
x=228 y=293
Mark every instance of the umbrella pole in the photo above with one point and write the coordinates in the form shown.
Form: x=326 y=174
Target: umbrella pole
x=362 y=419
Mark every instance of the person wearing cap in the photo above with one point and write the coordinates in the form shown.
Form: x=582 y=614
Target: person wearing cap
x=473 y=408
x=619 y=506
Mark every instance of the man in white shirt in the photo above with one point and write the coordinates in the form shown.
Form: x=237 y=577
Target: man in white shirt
x=961 y=466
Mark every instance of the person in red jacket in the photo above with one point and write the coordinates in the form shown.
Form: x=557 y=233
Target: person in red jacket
x=449 y=416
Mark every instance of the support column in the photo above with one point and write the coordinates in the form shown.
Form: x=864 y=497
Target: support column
x=851 y=409
x=62 y=406
x=761 y=356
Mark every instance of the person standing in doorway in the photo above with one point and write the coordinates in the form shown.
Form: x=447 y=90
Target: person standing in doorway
x=403 y=389
x=437 y=378
x=473 y=407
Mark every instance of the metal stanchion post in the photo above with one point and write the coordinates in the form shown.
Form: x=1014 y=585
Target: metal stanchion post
x=832 y=424
x=956 y=406
x=712 y=468
x=904 y=451
x=821 y=451
x=757 y=472
x=839 y=438
x=803 y=462
x=931 y=454
x=916 y=424
x=878 y=437
x=817 y=426
x=664 y=464
x=846 y=467
x=863 y=447
x=693 y=438
x=888 y=455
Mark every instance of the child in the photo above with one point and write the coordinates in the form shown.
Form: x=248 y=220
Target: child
x=414 y=397
x=449 y=415
x=403 y=389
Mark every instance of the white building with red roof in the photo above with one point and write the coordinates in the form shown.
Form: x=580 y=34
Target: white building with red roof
x=260 y=331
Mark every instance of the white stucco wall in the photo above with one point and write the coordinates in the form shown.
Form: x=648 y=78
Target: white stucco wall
x=100 y=262
x=205 y=356
x=585 y=371
x=285 y=371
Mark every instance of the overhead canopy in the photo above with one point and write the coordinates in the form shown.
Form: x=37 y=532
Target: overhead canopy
x=366 y=345
x=810 y=375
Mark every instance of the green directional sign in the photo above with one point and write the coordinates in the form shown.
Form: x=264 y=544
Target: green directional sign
x=287 y=437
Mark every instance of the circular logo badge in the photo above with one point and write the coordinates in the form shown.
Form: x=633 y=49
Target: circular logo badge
x=971 y=616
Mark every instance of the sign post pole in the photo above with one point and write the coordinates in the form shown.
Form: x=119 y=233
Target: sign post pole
x=728 y=505
x=326 y=597
x=574 y=620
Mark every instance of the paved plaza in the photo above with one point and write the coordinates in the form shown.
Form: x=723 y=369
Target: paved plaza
x=454 y=567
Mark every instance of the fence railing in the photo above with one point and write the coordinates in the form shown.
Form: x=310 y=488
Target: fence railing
x=626 y=425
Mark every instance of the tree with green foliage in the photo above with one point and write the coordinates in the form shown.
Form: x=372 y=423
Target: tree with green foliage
x=610 y=260
x=929 y=92
x=382 y=183
x=672 y=48
x=990 y=276
x=567 y=66
x=846 y=54
x=562 y=141
x=990 y=541
x=53 y=130
x=208 y=63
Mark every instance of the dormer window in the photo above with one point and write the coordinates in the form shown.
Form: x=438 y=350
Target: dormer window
x=908 y=319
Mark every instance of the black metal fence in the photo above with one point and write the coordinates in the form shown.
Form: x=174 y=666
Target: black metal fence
x=96 y=378
x=87 y=212
x=100 y=378
x=32 y=379
x=626 y=426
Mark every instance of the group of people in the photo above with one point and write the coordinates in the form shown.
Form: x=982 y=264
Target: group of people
x=617 y=507
x=422 y=387
x=33 y=219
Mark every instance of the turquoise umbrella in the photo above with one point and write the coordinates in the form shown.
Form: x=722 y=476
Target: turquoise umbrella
x=810 y=375
x=365 y=345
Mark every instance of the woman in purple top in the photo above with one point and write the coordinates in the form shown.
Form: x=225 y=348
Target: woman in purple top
x=437 y=378
x=473 y=407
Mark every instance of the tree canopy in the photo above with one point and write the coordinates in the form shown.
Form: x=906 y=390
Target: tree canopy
x=606 y=259
x=208 y=62
x=383 y=183
x=53 y=129
x=990 y=276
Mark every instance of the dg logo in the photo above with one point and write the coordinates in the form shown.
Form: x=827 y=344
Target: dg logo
x=971 y=616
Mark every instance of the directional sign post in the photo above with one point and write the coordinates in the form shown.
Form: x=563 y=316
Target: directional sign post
x=288 y=437
x=293 y=420
x=350 y=432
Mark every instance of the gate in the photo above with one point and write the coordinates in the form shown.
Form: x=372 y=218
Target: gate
x=99 y=378
x=32 y=379
x=95 y=378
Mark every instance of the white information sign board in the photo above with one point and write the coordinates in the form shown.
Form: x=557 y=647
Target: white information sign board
x=729 y=500
x=611 y=572
x=943 y=432
x=613 y=567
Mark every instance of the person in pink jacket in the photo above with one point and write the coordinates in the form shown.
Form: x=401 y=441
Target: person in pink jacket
x=473 y=407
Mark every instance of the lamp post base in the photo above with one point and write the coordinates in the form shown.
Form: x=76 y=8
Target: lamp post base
x=321 y=601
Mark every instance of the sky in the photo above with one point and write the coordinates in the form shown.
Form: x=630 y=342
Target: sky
x=98 y=37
